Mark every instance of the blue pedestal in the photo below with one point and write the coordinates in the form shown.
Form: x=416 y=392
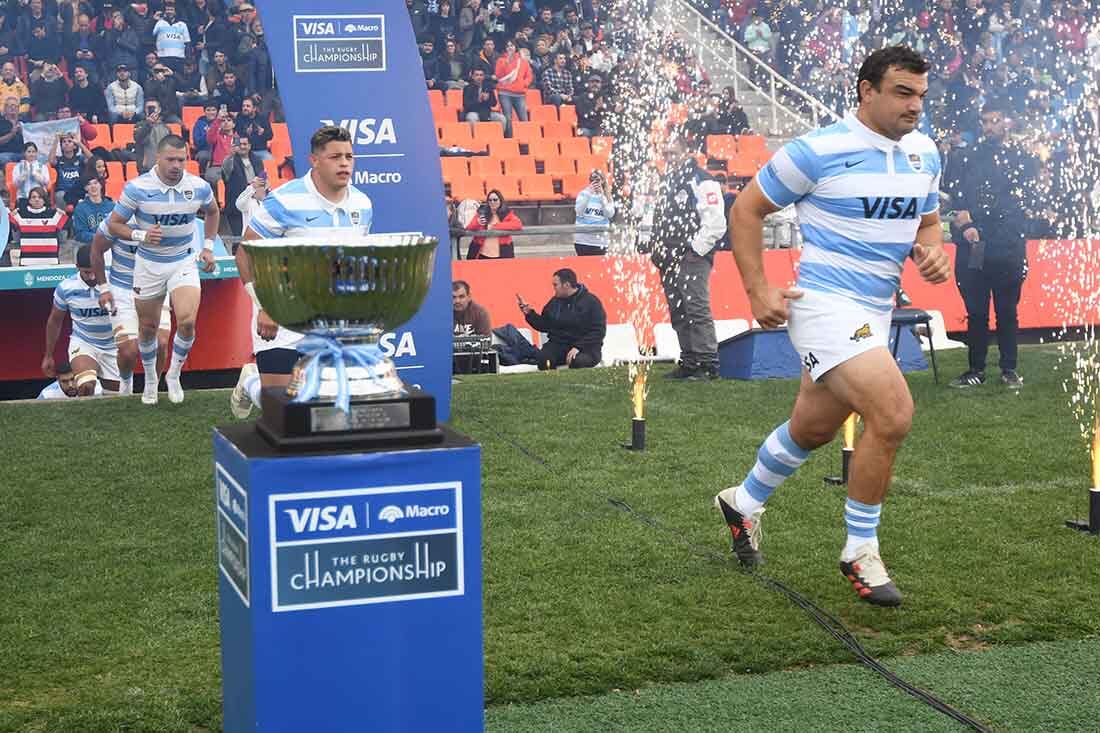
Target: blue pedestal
x=349 y=587
x=769 y=354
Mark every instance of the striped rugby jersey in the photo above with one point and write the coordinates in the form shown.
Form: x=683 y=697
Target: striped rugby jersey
x=91 y=324
x=171 y=38
x=859 y=197
x=297 y=209
x=123 y=251
x=151 y=202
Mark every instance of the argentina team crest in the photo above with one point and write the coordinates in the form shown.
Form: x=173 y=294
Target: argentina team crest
x=916 y=162
x=354 y=216
x=188 y=194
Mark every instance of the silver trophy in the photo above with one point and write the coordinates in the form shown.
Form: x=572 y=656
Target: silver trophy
x=343 y=291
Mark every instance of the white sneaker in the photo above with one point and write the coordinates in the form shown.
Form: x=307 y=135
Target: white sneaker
x=150 y=395
x=126 y=386
x=240 y=402
x=175 y=389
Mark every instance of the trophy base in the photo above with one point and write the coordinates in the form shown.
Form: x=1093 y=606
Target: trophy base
x=373 y=422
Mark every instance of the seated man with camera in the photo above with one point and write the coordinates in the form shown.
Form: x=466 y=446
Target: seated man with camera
x=574 y=321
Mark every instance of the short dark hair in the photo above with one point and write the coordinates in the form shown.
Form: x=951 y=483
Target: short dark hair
x=30 y=146
x=566 y=276
x=84 y=256
x=460 y=284
x=878 y=63
x=171 y=141
x=328 y=134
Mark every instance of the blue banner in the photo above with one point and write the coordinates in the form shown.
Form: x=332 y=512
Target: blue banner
x=356 y=64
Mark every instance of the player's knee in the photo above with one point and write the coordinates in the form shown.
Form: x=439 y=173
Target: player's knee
x=185 y=329
x=893 y=425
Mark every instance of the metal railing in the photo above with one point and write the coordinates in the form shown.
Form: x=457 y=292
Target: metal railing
x=731 y=55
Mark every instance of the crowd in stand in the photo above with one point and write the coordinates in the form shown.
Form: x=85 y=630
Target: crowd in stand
x=127 y=72
x=1039 y=60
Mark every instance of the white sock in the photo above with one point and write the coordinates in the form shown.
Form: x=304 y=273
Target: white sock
x=252 y=386
x=181 y=347
x=745 y=503
x=149 y=362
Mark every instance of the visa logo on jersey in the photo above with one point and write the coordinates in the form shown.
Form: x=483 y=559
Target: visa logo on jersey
x=171 y=220
x=886 y=207
x=322 y=518
x=369 y=130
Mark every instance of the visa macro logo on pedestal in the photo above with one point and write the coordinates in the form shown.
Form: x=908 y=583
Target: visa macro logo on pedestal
x=356 y=546
x=374 y=138
x=339 y=43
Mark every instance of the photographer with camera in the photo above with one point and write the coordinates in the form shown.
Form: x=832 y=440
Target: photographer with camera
x=594 y=207
x=494 y=214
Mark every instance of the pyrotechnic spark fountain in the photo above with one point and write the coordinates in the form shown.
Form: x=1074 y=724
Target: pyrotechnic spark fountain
x=846 y=451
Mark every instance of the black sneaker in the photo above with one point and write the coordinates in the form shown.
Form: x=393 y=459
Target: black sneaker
x=745 y=533
x=680 y=372
x=868 y=577
x=969 y=378
x=703 y=373
x=1011 y=379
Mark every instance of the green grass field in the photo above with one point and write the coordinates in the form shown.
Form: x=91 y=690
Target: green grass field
x=594 y=621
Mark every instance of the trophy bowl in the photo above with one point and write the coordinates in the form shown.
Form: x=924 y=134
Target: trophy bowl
x=343 y=291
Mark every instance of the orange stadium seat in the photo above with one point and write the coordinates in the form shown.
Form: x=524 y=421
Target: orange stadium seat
x=543 y=113
x=571 y=186
x=131 y=170
x=271 y=167
x=192 y=166
x=457 y=134
x=115 y=185
x=176 y=128
x=466 y=188
x=453 y=98
x=559 y=166
x=585 y=166
x=454 y=167
x=486 y=132
x=436 y=98
x=557 y=130
x=538 y=188
x=534 y=98
x=121 y=134
x=575 y=147
x=568 y=113
x=521 y=166
x=751 y=144
x=543 y=149
x=722 y=147
x=525 y=132
x=504 y=149
x=443 y=115
x=602 y=145
x=507 y=185
x=190 y=114
x=103 y=135
x=484 y=166
x=115 y=171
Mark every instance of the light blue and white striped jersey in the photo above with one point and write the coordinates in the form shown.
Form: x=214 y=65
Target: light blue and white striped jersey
x=172 y=38
x=297 y=209
x=91 y=324
x=123 y=252
x=152 y=202
x=859 y=197
x=53 y=391
x=593 y=208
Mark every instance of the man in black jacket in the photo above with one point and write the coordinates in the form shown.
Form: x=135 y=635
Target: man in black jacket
x=574 y=321
x=995 y=215
x=689 y=221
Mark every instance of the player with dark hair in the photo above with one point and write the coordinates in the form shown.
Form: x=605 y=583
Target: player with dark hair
x=164 y=204
x=321 y=200
x=867 y=194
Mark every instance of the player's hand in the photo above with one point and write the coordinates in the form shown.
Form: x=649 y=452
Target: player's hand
x=206 y=257
x=265 y=327
x=972 y=235
x=770 y=307
x=48 y=366
x=933 y=263
x=154 y=235
x=571 y=354
x=107 y=302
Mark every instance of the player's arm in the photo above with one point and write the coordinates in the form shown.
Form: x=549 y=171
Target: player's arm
x=125 y=208
x=746 y=233
x=211 y=221
x=928 y=252
x=265 y=228
x=53 y=331
x=100 y=244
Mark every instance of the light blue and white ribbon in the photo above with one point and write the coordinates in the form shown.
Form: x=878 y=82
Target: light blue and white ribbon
x=324 y=352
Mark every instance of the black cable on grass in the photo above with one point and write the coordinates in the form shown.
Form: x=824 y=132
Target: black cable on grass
x=830 y=623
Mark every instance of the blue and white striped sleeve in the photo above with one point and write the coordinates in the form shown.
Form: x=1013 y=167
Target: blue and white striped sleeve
x=367 y=216
x=127 y=204
x=207 y=195
x=791 y=174
x=266 y=221
x=60 y=301
x=932 y=203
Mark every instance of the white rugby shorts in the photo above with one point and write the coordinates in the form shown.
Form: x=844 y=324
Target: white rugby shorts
x=154 y=279
x=124 y=323
x=828 y=329
x=106 y=359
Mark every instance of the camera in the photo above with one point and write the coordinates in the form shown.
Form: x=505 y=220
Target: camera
x=484 y=212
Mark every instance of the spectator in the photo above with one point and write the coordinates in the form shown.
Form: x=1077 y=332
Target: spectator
x=254 y=61
x=574 y=322
x=257 y=131
x=514 y=78
x=594 y=207
x=216 y=71
x=430 y=62
x=472 y=24
x=147 y=135
x=125 y=99
x=493 y=215
x=88 y=133
x=67 y=159
x=37 y=35
x=541 y=59
x=732 y=119
x=29 y=173
x=162 y=87
x=486 y=60
x=241 y=171
x=172 y=38
x=96 y=167
x=121 y=43
x=48 y=92
x=219 y=137
x=145 y=72
x=13 y=86
x=11 y=133
x=591 y=107
x=9 y=49
x=198 y=133
x=470 y=318
x=478 y=100
x=38 y=228
x=557 y=83
x=229 y=92
x=452 y=67
x=546 y=23
x=758 y=39
x=444 y=26
x=189 y=84
x=139 y=18
x=83 y=48
x=91 y=211
x=86 y=99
